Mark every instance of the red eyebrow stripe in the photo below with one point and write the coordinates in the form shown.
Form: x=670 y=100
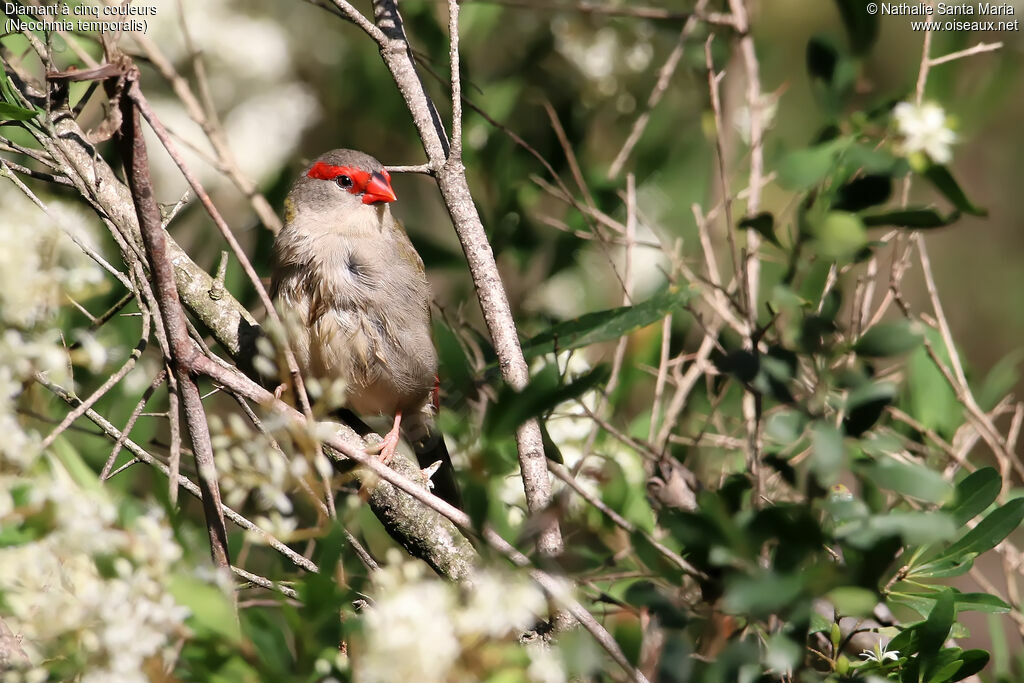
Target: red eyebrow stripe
x=323 y=171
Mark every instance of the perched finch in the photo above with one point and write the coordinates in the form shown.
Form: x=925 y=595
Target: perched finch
x=346 y=272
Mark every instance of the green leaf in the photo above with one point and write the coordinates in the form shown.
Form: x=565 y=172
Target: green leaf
x=804 y=168
x=929 y=397
x=542 y=394
x=935 y=629
x=785 y=426
x=922 y=603
x=999 y=524
x=980 y=602
x=947 y=568
x=906 y=640
x=763 y=594
x=915 y=528
x=871 y=392
x=944 y=667
x=919 y=219
x=974 y=494
x=999 y=381
x=826 y=452
x=943 y=180
x=888 y=339
x=874 y=160
x=10 y=112
x=211 y=609
x=454 y=367
x=973 y=662
x=853 y=601
x=908 y=479
x=840 y=235
x=601 y=326
x=861 y=25
x=764 y=224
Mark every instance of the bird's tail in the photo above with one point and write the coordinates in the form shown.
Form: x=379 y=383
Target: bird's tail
x=427 y=441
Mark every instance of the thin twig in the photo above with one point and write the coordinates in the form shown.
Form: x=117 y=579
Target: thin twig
x=751 y=261
x=136 y=412
x=186 y=483
x=109 y=384
x=716 y=108
x=264 y=582
x=960 y=54
x=389 y=33
x=665 y=74
x=566 y=476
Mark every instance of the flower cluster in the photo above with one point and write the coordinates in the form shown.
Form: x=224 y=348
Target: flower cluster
x=38 y=267
x=86 y=595
x=420 y=627
x=83 y=594
x=251 y=466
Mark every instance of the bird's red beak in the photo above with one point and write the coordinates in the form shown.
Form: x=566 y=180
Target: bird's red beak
x=379 y=189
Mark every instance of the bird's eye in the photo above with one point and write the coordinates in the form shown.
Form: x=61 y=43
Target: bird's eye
x=343 y=181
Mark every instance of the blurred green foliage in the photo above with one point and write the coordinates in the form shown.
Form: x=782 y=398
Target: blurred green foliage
x=860 y=509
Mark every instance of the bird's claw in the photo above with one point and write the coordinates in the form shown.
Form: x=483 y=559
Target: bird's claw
x=385 y=448
x=428 y=473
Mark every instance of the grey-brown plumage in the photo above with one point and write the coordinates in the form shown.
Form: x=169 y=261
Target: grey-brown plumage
x=346 y=272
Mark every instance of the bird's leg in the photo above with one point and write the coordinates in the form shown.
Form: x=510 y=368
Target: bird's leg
x=386 y=448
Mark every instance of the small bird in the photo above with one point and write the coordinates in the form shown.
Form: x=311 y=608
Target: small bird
x=346 y=271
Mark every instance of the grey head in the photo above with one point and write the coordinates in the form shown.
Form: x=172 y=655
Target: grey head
x=341 y=180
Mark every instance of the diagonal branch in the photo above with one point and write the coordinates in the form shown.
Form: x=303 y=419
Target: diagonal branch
x=181 y=349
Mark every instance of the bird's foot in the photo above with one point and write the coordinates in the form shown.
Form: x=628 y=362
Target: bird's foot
x=385 y=450
x=279 y=391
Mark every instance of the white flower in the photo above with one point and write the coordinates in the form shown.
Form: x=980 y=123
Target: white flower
x=880 y=655
x=924 y=128
x=545 y=664
x=768 y=107
x=59 y=600
x=500 y=603
x=419 y=627
x=410 y=634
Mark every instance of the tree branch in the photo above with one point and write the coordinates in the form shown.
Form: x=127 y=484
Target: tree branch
x=137 y=171
x=451 y=180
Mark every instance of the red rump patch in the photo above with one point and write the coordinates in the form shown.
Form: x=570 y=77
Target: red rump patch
x=435 y=395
